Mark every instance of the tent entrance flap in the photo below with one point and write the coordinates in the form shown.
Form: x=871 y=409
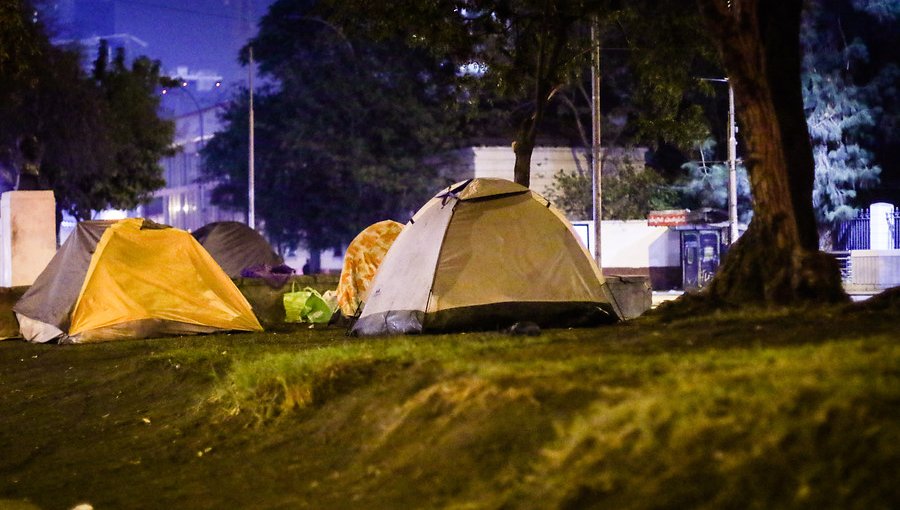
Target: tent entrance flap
x=500 y=316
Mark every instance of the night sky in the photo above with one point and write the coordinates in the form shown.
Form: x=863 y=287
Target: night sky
x=199 y=34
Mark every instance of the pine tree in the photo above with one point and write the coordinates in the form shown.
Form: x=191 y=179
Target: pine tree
x=838 y=116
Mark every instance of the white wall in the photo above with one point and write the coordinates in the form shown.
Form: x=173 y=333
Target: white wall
x=499 y=161
x=874 y=270
x=332 y=261
x=27 y=235
x=634 y=244
x=626 y=244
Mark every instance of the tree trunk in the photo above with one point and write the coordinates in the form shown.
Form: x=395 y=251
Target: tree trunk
x=314 y=262
x=547 y=73
x=777 y=261
x=522 y=170
x=526 y=137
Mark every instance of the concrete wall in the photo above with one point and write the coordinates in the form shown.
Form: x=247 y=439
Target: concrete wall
x=27 y=235
x=633 y=248
x=873 y=270
x=633 y=243
x=332 y=260
x=499 y=161
x=9 y=326
x=545 y=161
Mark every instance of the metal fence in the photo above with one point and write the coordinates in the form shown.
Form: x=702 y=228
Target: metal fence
x=854 y=234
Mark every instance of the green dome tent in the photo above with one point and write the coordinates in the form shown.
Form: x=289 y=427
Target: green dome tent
x=481 y=255
x=236 y=246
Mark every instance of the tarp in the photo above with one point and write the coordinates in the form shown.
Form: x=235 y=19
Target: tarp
x=484 y=254
x=361 y=261
x=236 y=246
x=131 y=279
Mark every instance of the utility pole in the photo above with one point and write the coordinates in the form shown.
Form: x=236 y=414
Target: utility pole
x=732 y=163
x=595 y=137
x=732 y=168
x=251 y=201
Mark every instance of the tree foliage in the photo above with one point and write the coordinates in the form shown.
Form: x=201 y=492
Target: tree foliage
x=98 y=138
x=846 y=89
x=629 y=194
x=669 y=49
x=836 y=119
x=136 y=139
x=840 y=114
x=706 y=184
x=346 y=130
x=515 y=53
x=532 y=58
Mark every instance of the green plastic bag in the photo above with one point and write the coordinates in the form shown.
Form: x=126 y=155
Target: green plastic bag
x=306 y=305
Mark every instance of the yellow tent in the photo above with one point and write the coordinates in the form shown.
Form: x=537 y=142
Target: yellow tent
x=364 y=255
x=143 y=280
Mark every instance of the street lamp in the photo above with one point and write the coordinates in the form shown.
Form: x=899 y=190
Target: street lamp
x=199 y=109
x=732 y=162
x=596 y=195
x=251 y=170
x=251 y=165
x=195 y=163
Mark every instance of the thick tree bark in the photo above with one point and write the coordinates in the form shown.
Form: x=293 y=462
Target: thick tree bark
x=526 y=136
x=523 y=148
x=777 y=261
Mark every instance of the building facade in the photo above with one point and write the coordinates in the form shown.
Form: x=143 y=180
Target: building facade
x=185 y=201
x=499 y=161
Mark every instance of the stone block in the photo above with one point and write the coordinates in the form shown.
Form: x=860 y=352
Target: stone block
x=27 y=235
x=631 y=295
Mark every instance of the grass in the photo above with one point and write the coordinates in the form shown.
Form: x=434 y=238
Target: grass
x=747 y=409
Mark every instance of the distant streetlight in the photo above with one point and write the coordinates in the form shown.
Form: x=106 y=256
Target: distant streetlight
x=199 y=109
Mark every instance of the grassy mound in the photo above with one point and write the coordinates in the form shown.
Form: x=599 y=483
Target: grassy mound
x=788 y=408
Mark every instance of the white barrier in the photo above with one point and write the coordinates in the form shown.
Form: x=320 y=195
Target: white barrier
x=27 y=235
x=874 y=270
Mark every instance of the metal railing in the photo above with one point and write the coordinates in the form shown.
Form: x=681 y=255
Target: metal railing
x=854 y=234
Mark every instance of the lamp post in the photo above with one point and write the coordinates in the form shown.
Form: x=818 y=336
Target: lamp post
x=732 y=162
x=732 y=168
x=251 y=184
x=251 y=165
x=595 y=139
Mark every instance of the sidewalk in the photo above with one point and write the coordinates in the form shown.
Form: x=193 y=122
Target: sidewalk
x=660 y=296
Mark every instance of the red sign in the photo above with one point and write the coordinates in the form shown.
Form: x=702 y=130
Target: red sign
x=670 y=218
